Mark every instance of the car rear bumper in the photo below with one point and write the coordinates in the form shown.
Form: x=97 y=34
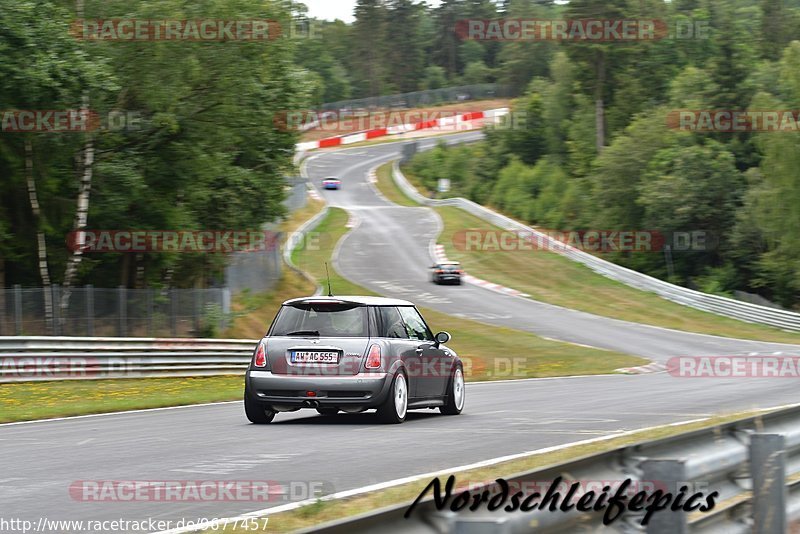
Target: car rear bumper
x=362 y=390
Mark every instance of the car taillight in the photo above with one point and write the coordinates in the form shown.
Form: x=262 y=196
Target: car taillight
x=439 y=272
x=374 y=358
x=261 y=356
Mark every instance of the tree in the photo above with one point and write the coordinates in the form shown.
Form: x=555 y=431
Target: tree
x=369 y=52
x=476 y=73
x=434 y=78
x=692 y=188
x=406 y=60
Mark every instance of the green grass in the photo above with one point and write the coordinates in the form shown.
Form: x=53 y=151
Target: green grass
x=389 y=189
x=549 y=277
x=43 y=400
x=489 y=352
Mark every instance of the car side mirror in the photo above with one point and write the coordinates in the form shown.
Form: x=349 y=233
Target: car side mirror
x=442 y=338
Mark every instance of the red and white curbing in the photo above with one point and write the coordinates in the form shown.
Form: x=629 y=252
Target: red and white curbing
x=457 y=122
x=440 y=256
x=644 y=369
x=312 y=192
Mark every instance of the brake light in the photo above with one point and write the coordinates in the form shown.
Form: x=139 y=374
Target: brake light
x=261 y=356
x=374 y=358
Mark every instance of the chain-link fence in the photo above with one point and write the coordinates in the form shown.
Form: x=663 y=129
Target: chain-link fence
x=259 y=271
x=92 y=311
x=430 y=97
x=115 y=312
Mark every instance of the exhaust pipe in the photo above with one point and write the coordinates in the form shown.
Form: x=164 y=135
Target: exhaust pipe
x=311 y=404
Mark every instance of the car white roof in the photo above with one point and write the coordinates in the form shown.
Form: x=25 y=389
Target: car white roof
x=364 y=301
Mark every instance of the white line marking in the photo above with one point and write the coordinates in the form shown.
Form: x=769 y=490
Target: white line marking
x=144 y=410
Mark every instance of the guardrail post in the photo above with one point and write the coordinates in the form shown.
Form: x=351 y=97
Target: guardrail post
x=198 y=306
x=665 y=475
x=226 y=307
x=173 y=313
x=17 y=309
x=150 y=310
x=768 y=469
x=90 y=310
x=55 y=291
x=122 y=311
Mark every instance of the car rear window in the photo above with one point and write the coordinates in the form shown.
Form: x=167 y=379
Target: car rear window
x=323 y=319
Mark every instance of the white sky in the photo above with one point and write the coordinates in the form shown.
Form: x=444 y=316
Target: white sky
x=336 y=9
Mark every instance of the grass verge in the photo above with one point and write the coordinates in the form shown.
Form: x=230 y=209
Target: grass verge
x=324 y=511
x=29 y=401
x=524 y=355
x=388 y=187
x=549 y=277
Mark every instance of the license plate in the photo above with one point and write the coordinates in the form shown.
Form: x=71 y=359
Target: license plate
x=315 y=357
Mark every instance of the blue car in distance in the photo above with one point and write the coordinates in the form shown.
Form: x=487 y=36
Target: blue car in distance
x=331 y=183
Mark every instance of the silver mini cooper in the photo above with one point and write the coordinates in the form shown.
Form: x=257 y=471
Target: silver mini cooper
x=352 y=354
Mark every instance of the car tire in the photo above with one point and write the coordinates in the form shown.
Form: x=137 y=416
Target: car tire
x=456 y=393
x=327 y=411
x=394 y=409
x=257 y=413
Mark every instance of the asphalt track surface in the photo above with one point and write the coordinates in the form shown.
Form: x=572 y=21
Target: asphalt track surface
x=387 y=252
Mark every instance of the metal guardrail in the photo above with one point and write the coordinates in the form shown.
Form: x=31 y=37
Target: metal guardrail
x=744 y=311
x=32 y=359
x=761 y=452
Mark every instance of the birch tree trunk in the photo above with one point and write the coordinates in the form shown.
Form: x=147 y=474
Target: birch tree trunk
x=85 y=168
x=41 y=247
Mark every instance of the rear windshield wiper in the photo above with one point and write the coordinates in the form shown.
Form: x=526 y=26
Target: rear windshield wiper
x=304 y=333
